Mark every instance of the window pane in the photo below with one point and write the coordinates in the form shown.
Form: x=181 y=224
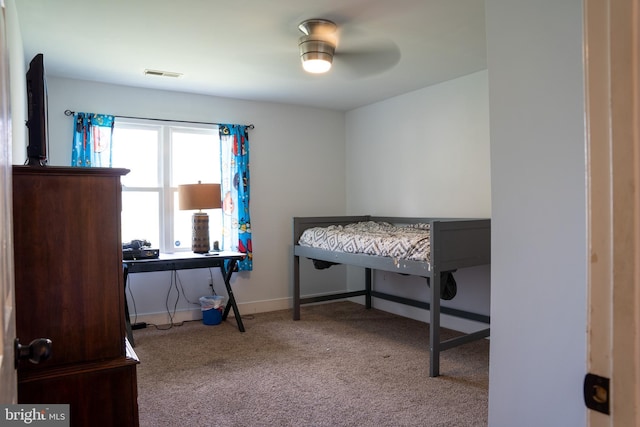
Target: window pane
x=181 y=226
x=137 y=150
x=140 y=217
x=215 y=225
x=194 y=157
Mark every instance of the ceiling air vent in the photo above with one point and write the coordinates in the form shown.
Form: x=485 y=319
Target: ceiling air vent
x=161 y=73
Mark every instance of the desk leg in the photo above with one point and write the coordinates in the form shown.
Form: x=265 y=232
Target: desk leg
x=226 y=275
x=126 y=309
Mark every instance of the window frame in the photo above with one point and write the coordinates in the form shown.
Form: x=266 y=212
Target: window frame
x=168 y=190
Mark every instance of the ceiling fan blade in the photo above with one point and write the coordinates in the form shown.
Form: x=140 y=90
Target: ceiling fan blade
x=371 y=59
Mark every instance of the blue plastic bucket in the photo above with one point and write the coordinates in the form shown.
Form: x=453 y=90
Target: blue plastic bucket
x=212 y=307
x=212 y=316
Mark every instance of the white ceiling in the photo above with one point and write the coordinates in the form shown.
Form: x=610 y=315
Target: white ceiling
x=248 y=49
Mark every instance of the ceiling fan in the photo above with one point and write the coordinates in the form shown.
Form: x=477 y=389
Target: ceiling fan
x=363 y=56
x=318 y=44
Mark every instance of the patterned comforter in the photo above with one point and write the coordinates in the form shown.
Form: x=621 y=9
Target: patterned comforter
x=372 y=238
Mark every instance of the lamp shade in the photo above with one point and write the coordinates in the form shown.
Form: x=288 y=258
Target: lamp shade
x=199 y=196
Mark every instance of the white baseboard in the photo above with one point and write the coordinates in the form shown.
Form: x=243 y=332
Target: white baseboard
x=451 y=322
x=164 y=318
x=196 y=314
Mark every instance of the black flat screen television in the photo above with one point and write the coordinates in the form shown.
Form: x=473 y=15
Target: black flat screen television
x=37 y=119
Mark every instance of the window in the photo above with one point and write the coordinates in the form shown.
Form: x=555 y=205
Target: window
x=161 y=156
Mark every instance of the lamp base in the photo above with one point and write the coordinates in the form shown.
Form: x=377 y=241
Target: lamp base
x=200 y=233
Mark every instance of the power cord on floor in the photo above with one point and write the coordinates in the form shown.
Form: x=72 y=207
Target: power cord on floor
x=173 y=283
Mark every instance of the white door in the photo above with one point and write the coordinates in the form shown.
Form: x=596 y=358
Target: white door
x=613 y=125
x=8 y=383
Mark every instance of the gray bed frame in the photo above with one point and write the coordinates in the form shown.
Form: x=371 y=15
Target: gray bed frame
x=455 y=243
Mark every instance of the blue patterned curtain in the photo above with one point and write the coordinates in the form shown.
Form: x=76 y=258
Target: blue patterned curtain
x=92 y=134
x=234 y=163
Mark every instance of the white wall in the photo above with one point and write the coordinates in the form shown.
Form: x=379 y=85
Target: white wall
x=290 y=176
x=538 y=283
x=18 y=89
x=425 y=154
x=422 y=153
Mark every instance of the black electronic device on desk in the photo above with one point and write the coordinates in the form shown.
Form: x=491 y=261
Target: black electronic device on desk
x=139 y=249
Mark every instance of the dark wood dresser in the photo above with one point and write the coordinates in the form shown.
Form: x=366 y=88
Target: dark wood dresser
x=69 y=288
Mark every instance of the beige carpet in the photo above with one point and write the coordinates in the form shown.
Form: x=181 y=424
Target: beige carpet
x=341 y=365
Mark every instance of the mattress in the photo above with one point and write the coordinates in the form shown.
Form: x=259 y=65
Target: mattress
x=410 y=241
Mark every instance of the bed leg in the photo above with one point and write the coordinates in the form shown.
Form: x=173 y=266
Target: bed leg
x=296 y=288
x=367 y=284
x=434 y=326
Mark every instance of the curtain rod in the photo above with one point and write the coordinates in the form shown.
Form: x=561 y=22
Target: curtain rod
x=71 y=113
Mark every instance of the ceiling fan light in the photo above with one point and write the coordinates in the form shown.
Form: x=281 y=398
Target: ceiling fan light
x=316 y=63
x=316 y=55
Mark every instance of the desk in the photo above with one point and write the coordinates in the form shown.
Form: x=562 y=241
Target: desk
x=186 y=261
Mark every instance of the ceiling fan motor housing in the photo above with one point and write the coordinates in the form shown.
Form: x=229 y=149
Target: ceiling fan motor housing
x=312 y=48
x=319 y=40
